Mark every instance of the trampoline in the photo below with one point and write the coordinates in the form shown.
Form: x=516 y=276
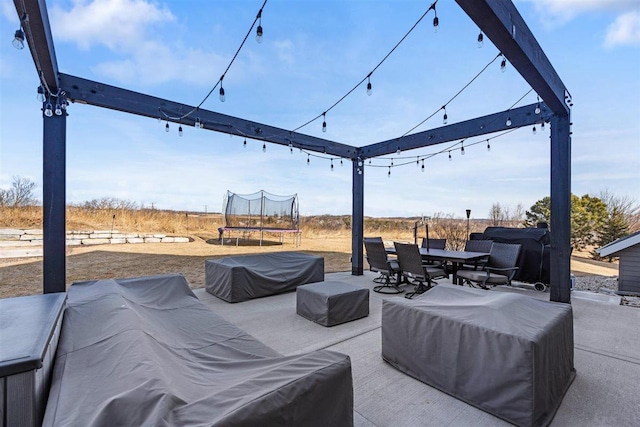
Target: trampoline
x=260 y=212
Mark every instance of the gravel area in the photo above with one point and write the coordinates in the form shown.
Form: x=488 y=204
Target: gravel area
x=604 y=285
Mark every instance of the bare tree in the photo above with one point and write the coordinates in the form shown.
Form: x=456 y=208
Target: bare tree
x=20 y=194
x=446 y=226
x=624 y=205
x=496 y=215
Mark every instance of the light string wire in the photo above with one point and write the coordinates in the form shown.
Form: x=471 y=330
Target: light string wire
x=450 y=147
x=432 y=7
x=453 y=97
x=258 y=16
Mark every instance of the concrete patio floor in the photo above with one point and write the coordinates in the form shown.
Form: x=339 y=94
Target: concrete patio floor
x=606 y=391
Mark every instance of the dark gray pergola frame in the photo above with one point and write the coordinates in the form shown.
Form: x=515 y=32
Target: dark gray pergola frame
x=498 y=19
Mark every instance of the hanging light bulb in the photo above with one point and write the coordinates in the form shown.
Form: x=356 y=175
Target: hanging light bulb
x=324 y=122
x=308 y=160
x=264 y=147
x=422 y=165
x=360 y=163
x=222 y=96
x=331 y=165
x=18 y=39
x=450 y=155
x=391 y=162
x=537 y=110
x=398 y=151
x=48 y=110
x=197 y=123
x=58 y=110
x=369 y=91
x=445 y=118
x=341 y=164
x=508 y=123
x=180 y=130
x=40 y=97
x=359 y=171
x=259 y=29
x=166 y=128
x=369 y=161
x=389 y=173
x=291 y=147
x=488 y=146
x=534 y=130
x=418 y=161
x=244 y=144
x=542 y=126
x=436 y=22
x=480 y=39
x=503 y=65
x=462 y=149
x=159 y=119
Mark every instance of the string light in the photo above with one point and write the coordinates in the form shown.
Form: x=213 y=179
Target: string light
x=480 y=39
x=450 y=155
x=398 y=151
x=259 y=29
x=341 y=164
x=436 y=21
x=324 y=122
x=331 y=165
x=542 y=126
x=180 y=130
x=40 y=97
x=389 y=173
x=422 y=165
x=264 y=147
x=222 y=96
x=48 y=110
x=18 y=37
x=534 y=130
x=198 y=124
x=291 y=147
x=308 y=160
x=445 y=118
x=462 y=148
x=488 y=146
x=508 y=123
x=369 y=91
x=537 y=110
x=244 y=144
x=58 y=109
x=503 y=65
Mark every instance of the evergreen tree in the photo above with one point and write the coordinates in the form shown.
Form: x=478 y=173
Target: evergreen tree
x=614 y=227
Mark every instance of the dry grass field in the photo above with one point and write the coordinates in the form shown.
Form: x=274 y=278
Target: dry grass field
x=325 y=236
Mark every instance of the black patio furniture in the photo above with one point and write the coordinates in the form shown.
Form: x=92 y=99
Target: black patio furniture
x=379 y=262
x=414 y=270
x=500 y=268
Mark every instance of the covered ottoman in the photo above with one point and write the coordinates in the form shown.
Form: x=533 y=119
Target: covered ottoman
x=332 y=303
x=241 y=278
x=507 y=354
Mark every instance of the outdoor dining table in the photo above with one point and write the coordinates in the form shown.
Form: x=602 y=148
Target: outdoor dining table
x=456 y=258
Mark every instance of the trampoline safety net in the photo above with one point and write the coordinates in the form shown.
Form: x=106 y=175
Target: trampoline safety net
x=260 y=210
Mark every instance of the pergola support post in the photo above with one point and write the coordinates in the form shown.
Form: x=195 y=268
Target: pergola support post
x=53 y=202
x=357 y=219
x=560 y=209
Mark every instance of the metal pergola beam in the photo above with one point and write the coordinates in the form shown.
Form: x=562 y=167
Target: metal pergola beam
x=114 y=98
x=37 y=33
x=519 y=117
x=503 y=24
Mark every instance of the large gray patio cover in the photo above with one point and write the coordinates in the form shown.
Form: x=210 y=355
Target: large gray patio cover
x=510 y=355
x=146 y=352
x=241 y=278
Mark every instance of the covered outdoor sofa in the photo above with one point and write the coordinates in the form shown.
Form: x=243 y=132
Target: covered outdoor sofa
x=146 y=352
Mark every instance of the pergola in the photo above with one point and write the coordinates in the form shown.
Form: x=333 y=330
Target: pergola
x=497 y=19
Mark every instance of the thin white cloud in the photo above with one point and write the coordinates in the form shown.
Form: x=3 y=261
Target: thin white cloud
x=116 y=24
x=625 y=30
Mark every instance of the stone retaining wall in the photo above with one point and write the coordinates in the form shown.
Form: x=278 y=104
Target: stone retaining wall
x=28 y=242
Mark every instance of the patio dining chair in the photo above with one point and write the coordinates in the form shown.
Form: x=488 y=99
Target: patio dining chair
x=434 y=244
x=379 y=262
x=477 y=246
x=499 y=270
x=414 y=270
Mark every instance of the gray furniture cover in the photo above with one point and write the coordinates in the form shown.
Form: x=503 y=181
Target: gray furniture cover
x=241 y=278
x=507 y=354
x=146 y=352
x=332 y=303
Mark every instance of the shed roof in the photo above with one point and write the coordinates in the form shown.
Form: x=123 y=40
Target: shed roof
x=620 y=244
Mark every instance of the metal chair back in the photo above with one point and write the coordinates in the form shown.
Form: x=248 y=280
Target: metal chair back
x=478 y=246
x=409 y=260
x=376 y=254
x=504 y=255
x=434 y=243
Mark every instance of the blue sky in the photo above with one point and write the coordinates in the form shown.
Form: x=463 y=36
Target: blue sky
x=312 y=53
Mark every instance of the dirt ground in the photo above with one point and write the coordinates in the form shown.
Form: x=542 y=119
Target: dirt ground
x=23 y=276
